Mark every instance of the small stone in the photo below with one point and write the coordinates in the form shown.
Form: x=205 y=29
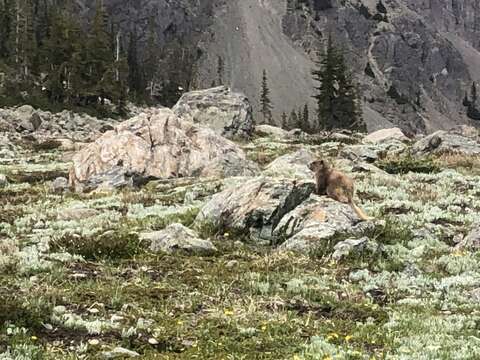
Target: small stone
x=3 y=181
x=59 y=309
x=59 y=185
x=178 y=237
x=231 y=264
x=94 y=342
x=153 y=341
x=116 y=318
x=119 y=352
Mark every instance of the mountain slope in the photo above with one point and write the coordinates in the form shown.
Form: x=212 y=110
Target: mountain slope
x=414 y=60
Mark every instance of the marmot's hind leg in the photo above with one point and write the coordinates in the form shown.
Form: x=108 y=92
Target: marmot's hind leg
x=337 y=193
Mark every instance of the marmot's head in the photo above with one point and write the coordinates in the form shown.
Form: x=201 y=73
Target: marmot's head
x=318 y=165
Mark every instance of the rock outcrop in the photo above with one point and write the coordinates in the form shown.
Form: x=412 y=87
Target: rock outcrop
x=461 y=140
x=177 y=237
x=228 y=113
x=385 y=135
x=254 y=208
x=315 y=221
x=158 y=144
x=293 y=165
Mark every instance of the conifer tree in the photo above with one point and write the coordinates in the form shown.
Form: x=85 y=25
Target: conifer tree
x=151 y=57
x=265 y=102
x=220 y=70
x=326 y=91
x=100 y=52
x=293 y=120
x=337 y=96
x=135 y=81
x=284 y=120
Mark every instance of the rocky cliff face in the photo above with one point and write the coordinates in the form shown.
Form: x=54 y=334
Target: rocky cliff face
x=414 y=60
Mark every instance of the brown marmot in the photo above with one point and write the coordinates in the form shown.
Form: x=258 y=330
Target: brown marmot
x=336 y=185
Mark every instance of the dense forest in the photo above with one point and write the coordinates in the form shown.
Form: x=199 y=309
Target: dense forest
x=51 y=59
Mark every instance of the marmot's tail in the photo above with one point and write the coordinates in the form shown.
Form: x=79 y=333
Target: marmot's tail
x=360 y=213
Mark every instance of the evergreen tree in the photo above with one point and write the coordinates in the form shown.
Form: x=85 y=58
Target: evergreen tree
x=135 y=80
x=220 y=70
x=284 y=120
x=305 y=123
x=472 y=110
x=100 y=55
x=325 y=75
x=151 y=58
x=337 y=96
x=292 y=120
x=265 y=103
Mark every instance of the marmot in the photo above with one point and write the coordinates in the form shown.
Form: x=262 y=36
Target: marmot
x=336 y=185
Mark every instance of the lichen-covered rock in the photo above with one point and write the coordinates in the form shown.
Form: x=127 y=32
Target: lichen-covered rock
x=254 y=208
x=273 y=132
x=472 y=240
x=158 y=144
x=228 y=113
x=293 y=165
x=119 y=352
x=372 y=152
x=59 y=185
x=77 y=212
x=316 y=220
x=354 y=247
x=385 y=134
x=3 y=180
x=178 y=237
x=458 y=141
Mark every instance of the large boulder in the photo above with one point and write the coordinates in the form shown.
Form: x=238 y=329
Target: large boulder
x=273 y=132
x=460 y=140
x=177 y=237
x=228 y=113
x=293 y=165
x=372 y=152
x=158 y=144
x=314 y=222
x=255 y=207
x=385 y=134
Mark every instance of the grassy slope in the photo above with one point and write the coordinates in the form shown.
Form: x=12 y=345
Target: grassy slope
x=416 y=298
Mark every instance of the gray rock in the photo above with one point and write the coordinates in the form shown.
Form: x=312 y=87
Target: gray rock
x=254 y=208
x=178 y=237
x=271 y=131
x=228 y=113
x=372 y=152
x=230 y=165
x=385 y=134
x=59 y=185
x=115 y=178
x=454 y=141
x=315 y=221
x=36 y=120
x=3 y=181
x=353 y=246
x=293 y=165
x=472 y=240
x=76 y=213
x=119 y=352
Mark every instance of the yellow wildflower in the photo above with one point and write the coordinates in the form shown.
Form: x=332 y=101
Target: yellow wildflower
x=34 y=338
x=228 y=312
x=348 y=337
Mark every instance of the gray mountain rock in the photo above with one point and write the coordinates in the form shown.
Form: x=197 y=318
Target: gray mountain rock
x=228 y=113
